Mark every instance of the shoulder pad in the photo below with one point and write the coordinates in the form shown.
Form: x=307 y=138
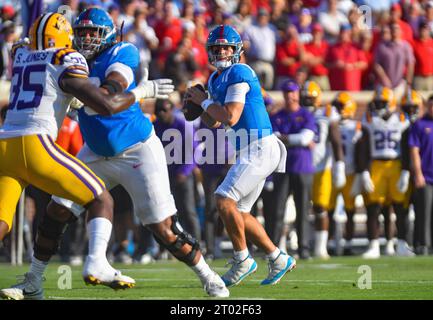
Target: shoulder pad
x=60 y=55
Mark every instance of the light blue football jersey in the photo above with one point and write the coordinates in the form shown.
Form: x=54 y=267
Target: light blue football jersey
x=110 y=135
x=254 y=118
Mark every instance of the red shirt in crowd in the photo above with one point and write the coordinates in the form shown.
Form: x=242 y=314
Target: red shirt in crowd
x=288 y=49
x=169 y=36
x=344 y=79
x=423 y=51
x=320 y=50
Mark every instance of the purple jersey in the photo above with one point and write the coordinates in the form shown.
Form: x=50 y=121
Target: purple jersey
x=184 y=163
x=299 y=158
x=421 y=136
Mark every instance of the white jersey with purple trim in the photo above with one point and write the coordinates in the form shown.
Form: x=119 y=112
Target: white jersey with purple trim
x=37 y=103
x=385 y=135
x=350 y=131
x=322 y=151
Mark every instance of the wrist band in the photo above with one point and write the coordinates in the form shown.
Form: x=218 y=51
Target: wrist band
x=206 y=103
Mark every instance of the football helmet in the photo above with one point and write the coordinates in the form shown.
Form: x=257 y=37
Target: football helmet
x=383 y=103
x=98 y=25
x=411 y=103
x=345 y=105
x=311 y=95
x=224 y=35
x=50 y=30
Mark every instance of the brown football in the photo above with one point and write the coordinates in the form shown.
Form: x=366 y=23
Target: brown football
x=190 y=109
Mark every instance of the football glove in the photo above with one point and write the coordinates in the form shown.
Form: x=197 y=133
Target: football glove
x=159 y=88
x=403 y=181
x=76 y=104
x=367 y=183
x=339 y=174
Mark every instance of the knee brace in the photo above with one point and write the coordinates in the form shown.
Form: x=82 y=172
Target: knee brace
x=50 y=233
x=183 y=238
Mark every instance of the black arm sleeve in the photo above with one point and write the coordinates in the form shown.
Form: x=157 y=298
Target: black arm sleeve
x=404 y=150
x=363 y=152
x=336 y=142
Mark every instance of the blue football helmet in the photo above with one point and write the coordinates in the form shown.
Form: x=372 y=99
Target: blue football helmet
x=100 y=27
x=224 y=35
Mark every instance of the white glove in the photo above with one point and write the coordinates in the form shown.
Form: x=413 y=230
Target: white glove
x=159 y=88
x=356 y=186
x=367 y=183
x=339 y=174
x=75 y=104
x=403 y=182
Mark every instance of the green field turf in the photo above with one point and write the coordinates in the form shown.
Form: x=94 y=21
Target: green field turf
x=392 y=278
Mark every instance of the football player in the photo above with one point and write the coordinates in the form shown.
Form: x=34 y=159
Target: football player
x=237 y=102
x=351 y=131
x=328 y=161
x=46 y=75
x=382 y=177
x=123 y=149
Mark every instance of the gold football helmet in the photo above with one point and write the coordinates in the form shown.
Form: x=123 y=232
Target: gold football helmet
x=50 y=30
x=411 y=103
x=345 y=105
x=311 y=95
x=383 y=102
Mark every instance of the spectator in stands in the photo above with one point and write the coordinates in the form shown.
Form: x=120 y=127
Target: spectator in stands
x=423 y=51
x=366 y=45
x=295 y=8
x=201 y=29
x=316 y=51
x=289 y=56
x=305 y=26
x=414 y=17
x=295 y=127
x=345 y=62
x=260 y=39
x=279 y=17
x=394 y=62
x=143 y=37
x=243 y=16
x=421 y=152
x=7 y=38
x=406 y=30
x=332 y=20
x=169 y=33
x=428 y=15
x=127 y=8
x=179 y=169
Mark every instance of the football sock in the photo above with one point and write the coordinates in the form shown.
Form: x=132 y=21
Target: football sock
x=99 y=231
x=202 y=270
x=241 y=255
x=37 y=267
x=274 y=254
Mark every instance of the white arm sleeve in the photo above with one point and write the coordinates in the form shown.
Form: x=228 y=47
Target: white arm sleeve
x=302 y=138
x=237 y=92
x=123 y=69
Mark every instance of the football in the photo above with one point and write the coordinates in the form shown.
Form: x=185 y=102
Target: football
x=190 y=109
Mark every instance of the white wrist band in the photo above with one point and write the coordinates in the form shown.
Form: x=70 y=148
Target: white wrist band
x=206 y=103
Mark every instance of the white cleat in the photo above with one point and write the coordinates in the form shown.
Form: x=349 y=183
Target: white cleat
x=239 y=271
x=30 y=288
x=323 y=255
x=215 y=287
x=278 y=268
x=373 y=252
x=389 y=249
x=403 y=249
x=101 y=273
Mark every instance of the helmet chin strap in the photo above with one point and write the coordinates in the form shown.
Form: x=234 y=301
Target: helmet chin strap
x=220 y=65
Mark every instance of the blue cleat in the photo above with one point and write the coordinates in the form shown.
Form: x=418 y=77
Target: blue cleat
x=239 y=271
x=278 y=268
x=30 y=288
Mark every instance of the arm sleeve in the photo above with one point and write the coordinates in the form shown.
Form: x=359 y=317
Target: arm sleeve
x=123 y=69
x=302 y=138
x=237 y=92
x=362 y=152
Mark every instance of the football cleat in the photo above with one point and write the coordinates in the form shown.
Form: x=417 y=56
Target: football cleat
x=29 y=288
x=95 y=274
x=403 y=249
x=239 y=271
x=278 y=268
x=373 y=251
x=389 y=249
x=215 y=287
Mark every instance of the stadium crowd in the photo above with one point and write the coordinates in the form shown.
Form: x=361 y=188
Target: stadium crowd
x=300 y=48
